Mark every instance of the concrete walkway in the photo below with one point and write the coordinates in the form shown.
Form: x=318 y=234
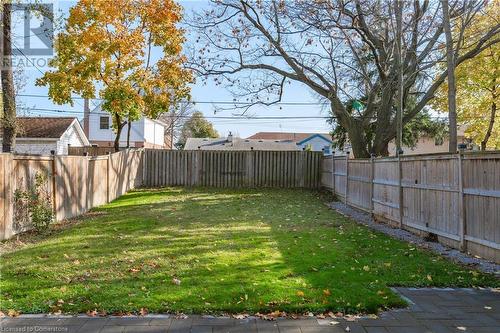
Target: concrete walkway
x=431 y=311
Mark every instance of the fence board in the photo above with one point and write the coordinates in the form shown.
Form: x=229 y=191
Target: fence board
x=359 y=184
x=232 y=169
x=386 y=190
x=6 y=200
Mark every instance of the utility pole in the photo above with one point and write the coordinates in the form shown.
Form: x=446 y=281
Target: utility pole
x=450 y=59
x=398 y=7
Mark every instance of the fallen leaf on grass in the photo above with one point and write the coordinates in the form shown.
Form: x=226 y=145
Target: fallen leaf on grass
x=300 y=293
x=13 y=313
x=327 y=292
x=176 y=281
x=92 y=313
x=241 y=316
x=143 y=312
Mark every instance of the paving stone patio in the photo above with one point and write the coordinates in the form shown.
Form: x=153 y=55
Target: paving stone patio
x=430 y=311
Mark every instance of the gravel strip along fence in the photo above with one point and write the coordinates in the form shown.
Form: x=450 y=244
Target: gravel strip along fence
x=455 y=255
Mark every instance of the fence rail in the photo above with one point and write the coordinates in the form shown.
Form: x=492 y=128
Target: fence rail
x=232 y=168
x=75 y=183
x=455 y=196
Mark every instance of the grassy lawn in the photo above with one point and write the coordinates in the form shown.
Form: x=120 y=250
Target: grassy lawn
x=231 y=250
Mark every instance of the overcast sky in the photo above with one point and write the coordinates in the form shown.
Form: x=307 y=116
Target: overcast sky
x=295 y=93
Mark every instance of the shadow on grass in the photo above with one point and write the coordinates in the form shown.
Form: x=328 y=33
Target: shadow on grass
x=232 y=250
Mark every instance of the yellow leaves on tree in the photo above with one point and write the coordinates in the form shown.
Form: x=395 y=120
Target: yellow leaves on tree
x=106 y=51
x=478 y=86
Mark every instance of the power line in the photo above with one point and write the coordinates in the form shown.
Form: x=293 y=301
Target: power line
x=200 y=102
x=230 y=117
x=77 y=112
x=188 y=116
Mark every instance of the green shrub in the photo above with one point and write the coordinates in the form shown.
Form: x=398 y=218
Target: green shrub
x=36 y=203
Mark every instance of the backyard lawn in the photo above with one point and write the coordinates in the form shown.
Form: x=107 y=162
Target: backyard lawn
x=215 y=251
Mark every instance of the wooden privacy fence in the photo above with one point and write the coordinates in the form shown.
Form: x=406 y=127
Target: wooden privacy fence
x=232 y=168
x=454 y=196
x=75 y=183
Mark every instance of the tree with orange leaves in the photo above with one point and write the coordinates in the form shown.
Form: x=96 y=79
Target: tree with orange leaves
x=105 y=50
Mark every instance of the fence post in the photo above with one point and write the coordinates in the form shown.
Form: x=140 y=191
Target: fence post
x=372 y=179
x=197 y=168
x=462 y=225
x=301 y=168
x=108 y=162
x=251 y=168
x=144 y=165
x=7 y=195
x=54 y=188
x=400 y=189
x=333 y=173
x=346 y=193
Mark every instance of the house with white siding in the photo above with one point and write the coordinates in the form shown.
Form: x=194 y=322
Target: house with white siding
x=46 y=135
x=144 y=133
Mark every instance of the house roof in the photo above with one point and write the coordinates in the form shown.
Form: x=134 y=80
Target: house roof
x=43 y=127
x=238 y=144
x=295 y=137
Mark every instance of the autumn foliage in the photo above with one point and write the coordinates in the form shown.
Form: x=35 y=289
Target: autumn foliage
x=478 y=86
x=106 y=51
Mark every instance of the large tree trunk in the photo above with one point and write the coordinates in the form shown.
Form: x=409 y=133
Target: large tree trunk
x=9 y=102
x=450 y=59
x=354 y=127
x=487 y=136
x=129 y=127
x=357 y=139
x=119 y=127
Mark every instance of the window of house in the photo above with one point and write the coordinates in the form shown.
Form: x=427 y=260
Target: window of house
x=104 y=123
